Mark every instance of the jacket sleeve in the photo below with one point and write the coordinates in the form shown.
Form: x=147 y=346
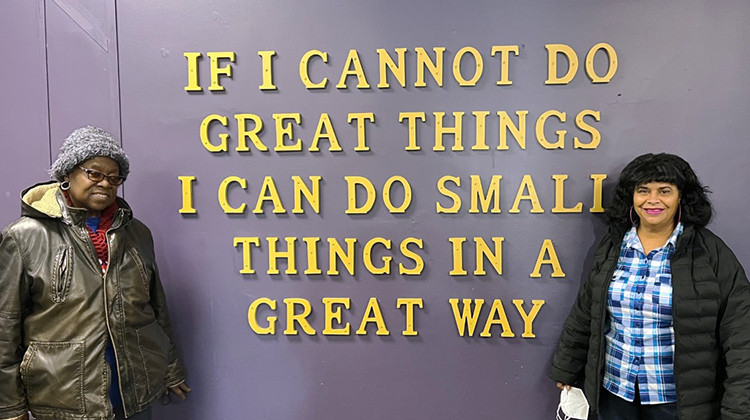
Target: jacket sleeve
x=12 y=303
x=569 y=359
x=175 y=371
x=734 y=335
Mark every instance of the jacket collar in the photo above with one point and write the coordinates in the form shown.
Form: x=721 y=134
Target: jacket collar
x=46 y=201
x=685 y=239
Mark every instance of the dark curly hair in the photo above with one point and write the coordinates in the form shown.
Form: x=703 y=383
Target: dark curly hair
x=662 y=167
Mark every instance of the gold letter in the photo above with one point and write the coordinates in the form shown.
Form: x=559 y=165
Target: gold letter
x=418 y=261
x=247 y=262
x=274 y=254
x=480 y=139
x=435 y=68
x=458 y=257
x=559 y=196
x=448 y=193
x=353 y=61
x=398 y=71
x=192 y=58
x=387 y=194
x=312 y=255
x=291 y=316
x=412 y=117
x=332 y=314
x=266 y=57
x=611 y=54
x=252 y=319
x=542 y=139
x=502 y=319
x=477 y=194
x=187 y=194
x=304 y=70
x=268 y=192
x=598 y=179
x=552 y=51
x=313 y=197
x=224 y=202
x=596 y=137
x=216 y=71
x=518 y=131
x=352 y=182
x=283 y=131
x=367 y=256
x=205 y=125
x=478 y=66
x=455 y=131
x=466 y=318
x=361 y=118
x=496 y=258
x=373 y=314
x=528 y=319
x=409 y=303
x=347 y=258
x=504 y=51
x=243 y=133
x=325 y=130
x=547 y=249
x=527 y=184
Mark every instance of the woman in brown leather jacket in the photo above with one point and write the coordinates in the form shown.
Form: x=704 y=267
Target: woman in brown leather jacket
x=84 y=328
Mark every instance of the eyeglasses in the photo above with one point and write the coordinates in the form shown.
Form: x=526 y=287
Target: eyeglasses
x=96 y=176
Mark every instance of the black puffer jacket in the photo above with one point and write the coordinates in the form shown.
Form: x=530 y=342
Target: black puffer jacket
x=711 y=316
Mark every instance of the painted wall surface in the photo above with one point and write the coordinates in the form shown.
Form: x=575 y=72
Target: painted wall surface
x=24 y=131
x=679 y=87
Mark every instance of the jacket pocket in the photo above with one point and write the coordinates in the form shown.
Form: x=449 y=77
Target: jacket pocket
x=153 y=347
x=661 y=295
x=143 y=272
x=62 y=272
x=52 y=374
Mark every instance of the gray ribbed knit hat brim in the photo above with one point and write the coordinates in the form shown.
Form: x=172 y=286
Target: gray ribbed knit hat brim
x=87 y=143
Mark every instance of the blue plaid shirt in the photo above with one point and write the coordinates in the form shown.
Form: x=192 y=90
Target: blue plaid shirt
x=640 y=334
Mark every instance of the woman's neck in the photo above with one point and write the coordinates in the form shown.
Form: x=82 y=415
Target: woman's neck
x=654 y=238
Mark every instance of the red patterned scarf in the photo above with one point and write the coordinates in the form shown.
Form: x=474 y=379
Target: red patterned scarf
x=99 y=238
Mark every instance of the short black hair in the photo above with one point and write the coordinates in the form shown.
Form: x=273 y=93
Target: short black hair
x=662 y=167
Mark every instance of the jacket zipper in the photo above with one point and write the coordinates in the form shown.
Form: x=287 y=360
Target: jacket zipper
x=109 y=329
x=602 y=344
x=675 y=256
x=62 y=275
x=106 y=311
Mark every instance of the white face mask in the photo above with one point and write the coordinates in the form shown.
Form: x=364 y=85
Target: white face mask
x=573 y=405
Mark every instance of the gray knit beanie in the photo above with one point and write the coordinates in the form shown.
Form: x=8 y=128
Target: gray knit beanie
x=86 y=143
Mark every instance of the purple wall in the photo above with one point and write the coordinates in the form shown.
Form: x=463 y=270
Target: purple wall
x=24 y=126
x=679 y=88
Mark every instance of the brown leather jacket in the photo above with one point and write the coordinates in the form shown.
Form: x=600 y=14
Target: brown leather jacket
x=57 y=311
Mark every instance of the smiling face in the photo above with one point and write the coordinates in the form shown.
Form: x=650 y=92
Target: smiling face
x=93 y=196
x=656 y=204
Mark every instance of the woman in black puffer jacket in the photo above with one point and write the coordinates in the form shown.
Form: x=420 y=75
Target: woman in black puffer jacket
x=661 y=327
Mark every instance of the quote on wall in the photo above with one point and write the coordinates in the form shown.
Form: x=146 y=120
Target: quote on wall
x=222 y=134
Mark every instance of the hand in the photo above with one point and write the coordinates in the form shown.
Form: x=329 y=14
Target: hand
x=560 y=385
x=180 y=390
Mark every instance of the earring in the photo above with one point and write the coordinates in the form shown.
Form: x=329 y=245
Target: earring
x=679 y=213
x=65 y=185
x=631 y=216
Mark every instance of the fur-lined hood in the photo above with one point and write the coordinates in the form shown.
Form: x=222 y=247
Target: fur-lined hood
x=46 y=201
